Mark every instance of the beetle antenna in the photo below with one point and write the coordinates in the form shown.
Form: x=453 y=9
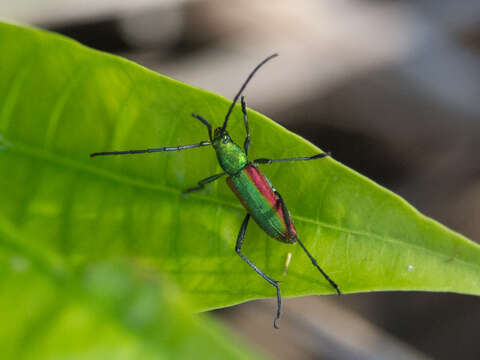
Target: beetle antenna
x=243 y=88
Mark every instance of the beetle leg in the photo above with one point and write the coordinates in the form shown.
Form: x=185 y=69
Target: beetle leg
x=203 y=182
x=246 y=143
x=304 y=158
x=238 y=248
x=288 y=221
x=206 y=123
x=167 y=148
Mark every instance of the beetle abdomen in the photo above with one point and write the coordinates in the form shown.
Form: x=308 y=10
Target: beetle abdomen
x=257 y=195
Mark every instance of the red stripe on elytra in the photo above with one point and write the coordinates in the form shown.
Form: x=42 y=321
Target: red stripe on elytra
x=262 y=185
x=266 y=190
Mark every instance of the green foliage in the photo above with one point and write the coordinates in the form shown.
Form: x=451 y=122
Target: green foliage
x=63 y=212
x=114 y=309
x=65 y=293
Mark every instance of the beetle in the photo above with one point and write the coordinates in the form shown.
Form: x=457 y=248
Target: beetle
x=254 y=190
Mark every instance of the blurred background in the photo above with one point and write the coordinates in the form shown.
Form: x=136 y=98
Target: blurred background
x=391 y=88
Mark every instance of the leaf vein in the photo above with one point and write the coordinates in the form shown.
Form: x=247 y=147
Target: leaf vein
x=48 y=156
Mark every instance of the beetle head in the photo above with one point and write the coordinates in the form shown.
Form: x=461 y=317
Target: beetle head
x=220 y=136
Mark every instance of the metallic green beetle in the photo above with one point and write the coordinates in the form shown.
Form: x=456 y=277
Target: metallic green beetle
x=252 y=188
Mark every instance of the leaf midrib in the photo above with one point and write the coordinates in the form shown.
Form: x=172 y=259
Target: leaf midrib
x=54 y=158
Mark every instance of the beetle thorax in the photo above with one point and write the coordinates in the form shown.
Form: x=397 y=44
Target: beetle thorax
x=231 y=157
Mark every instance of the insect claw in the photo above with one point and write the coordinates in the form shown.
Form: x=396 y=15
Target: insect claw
x=275 y=323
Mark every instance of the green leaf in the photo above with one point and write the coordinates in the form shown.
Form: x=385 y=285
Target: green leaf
x=113 y=309
x=60 y=101
x=58 y=304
